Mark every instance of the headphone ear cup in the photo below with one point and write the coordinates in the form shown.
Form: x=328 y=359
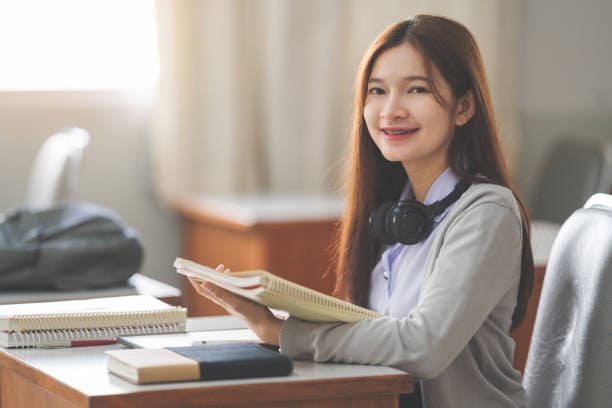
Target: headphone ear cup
x=410 y=222
x=378 y=223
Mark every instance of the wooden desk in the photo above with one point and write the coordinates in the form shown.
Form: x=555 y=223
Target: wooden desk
x=286 y=235
x=77 y=377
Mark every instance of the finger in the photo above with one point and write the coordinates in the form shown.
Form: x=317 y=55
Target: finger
x=215 y=299
x=222 y=268
x=197 y=284
x=194 y=281
x=220 y=293
x=233 y=303
x=203 y=289
x=220 y=296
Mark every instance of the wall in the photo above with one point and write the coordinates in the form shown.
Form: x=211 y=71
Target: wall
x=565 y=66
x=116 y=171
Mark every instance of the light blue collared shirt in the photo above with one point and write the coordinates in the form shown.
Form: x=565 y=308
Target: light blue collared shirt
x=396 y=279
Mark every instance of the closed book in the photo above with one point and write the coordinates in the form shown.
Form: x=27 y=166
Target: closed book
x=275 y=292
x=207 y=362
x=90 y=321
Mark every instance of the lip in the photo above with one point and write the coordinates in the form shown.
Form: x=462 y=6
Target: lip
x=398 y=133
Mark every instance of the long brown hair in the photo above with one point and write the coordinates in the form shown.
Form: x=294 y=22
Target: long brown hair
x=474 y=154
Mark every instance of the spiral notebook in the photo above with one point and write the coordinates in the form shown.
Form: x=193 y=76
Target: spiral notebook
x=87 y=322
x=275 y=292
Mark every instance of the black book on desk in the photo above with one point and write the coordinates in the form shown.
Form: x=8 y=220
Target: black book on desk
x=207 y=362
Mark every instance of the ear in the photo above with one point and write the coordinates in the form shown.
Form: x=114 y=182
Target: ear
x=465 y=108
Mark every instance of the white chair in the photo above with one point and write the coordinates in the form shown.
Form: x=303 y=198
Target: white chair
x=55 y=173
x=570 y=357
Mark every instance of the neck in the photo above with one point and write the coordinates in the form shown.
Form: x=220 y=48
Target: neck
x=421 y=179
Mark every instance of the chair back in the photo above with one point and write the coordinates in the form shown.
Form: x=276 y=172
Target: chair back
x=55 y=173
x=570 y=356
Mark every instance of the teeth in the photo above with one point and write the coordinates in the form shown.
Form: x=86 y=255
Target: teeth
x=397 y=132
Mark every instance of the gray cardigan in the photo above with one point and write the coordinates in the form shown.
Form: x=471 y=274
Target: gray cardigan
x=456 y=339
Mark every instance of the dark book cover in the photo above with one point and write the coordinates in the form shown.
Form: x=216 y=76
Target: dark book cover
x=236 y=360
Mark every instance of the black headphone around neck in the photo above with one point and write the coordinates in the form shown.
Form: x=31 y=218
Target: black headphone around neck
x=409 y=221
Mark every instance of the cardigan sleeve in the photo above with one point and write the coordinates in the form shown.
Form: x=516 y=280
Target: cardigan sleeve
x=477 y=264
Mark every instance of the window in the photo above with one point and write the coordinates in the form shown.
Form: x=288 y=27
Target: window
x=77 y=45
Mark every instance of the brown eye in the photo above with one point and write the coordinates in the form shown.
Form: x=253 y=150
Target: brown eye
x=376 y=91
x=418 y=89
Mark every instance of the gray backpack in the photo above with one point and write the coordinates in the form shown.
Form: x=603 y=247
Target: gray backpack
x=69 y=247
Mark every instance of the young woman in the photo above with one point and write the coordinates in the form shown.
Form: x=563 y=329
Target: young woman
x=450 y=265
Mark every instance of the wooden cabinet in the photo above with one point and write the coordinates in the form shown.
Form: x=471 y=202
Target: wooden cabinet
x=543 y=235
x=522 y=334
x=288 y=236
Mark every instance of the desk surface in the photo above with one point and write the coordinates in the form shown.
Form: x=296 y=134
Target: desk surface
x=77 y=377
x=138 y=284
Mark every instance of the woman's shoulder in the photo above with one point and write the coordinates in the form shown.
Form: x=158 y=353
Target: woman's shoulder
x=488 y=195
x=484 y=205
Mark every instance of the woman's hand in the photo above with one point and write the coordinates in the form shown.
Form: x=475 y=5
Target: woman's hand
x=256 y=317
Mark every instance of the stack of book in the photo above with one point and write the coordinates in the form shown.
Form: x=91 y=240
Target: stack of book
x=208 y=362
x=87 y=322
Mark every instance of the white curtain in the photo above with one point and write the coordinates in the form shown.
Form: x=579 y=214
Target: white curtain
x=255 y=95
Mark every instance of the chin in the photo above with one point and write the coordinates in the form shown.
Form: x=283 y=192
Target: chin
x=395 y=157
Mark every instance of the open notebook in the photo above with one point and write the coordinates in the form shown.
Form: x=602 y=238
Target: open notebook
x=273 y=291
x=86 y=322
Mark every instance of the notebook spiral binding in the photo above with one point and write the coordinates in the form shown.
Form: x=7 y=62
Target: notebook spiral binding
x=96 y=320
x=36 y=338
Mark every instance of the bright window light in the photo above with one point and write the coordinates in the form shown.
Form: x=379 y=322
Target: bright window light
x=77 y=44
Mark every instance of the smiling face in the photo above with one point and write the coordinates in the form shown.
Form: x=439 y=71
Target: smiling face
x=403 y=117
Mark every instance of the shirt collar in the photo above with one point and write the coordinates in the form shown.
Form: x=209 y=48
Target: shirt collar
x=442 y=186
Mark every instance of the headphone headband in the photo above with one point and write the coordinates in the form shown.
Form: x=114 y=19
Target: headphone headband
x=439 y=206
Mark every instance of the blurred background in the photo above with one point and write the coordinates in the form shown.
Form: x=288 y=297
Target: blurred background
x=253 y=97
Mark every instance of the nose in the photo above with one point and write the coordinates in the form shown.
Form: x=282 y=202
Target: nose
x=393 y=108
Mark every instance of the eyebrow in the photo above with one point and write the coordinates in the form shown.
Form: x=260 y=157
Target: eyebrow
x=408 y=78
